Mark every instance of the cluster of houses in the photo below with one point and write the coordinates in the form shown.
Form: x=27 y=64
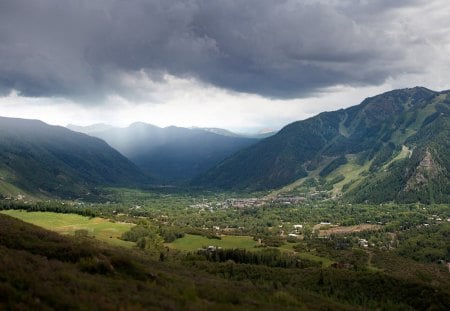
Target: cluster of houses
x=19 y=197
x=230 y=203
x=247 y=202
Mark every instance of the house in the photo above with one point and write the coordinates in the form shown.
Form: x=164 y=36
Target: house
x=363 y=243
x=298 y=226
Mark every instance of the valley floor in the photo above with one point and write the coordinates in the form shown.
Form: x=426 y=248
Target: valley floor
x=193 y=252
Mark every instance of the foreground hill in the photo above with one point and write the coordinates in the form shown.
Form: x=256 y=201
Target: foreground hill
x=393 y=146
x=41 y=159
x=42 y=270
x=172 y=154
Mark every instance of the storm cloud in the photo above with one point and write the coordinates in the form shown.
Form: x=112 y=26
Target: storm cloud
x=277 y=49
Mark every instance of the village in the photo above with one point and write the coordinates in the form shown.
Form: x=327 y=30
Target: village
x=239 y=203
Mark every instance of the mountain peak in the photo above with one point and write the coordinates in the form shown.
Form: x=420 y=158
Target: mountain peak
x=89 y=128
x=382 y=139
x=143 y=125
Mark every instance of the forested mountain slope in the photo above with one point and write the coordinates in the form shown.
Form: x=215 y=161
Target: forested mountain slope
x=393 y=146
x=52 y=160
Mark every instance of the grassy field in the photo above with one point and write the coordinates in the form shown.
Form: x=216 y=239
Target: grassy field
x=404 y=153
x=351 y=171
x=193 y=242
x=289 y=247
x=308 y=256
x=100 y=228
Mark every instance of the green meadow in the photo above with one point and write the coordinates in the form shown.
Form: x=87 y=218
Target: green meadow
x=100 y=228
x=193 y=242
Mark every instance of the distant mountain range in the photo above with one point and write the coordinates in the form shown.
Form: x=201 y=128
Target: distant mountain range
x=391 y=147
x=53 y=161
x=171 y=154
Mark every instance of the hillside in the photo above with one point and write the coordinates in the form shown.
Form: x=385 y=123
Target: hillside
x=42 y=270
x=40 y=159
x=171 y=154
x=393 y=146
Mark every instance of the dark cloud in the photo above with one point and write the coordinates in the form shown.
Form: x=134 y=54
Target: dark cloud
x=80 y=48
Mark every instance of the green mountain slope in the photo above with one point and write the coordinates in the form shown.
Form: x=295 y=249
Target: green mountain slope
x=51 y=160
x=392 y=146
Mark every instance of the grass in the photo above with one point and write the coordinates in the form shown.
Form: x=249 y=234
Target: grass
x=308 y=256
x=193 y=242
x=399 y=138
x=102 y=229
x=351 y=171
x=6 y=188
x=404 y=153
x=9 y=189
x=289 y=247
x=299 y=182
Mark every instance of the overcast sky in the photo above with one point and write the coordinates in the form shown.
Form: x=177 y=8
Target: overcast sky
x=247 y=64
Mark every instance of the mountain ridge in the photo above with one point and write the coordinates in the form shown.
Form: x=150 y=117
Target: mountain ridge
x=172 y=154
x=53 y=160
x=369 y=134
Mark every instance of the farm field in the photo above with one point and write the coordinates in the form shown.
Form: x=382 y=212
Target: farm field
x=100 y=228
x=193 y=242
x=346 y=229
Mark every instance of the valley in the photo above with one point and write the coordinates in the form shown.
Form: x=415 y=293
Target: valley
x=224 y=155
x=321 y=247
x=347 y=210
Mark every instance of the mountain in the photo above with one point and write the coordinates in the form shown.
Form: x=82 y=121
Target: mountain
x=51 y=160
x=172 y=154
x=391 y=147
x=99 y=127
x=264 y=133
x=220 y=131
x=257 y=135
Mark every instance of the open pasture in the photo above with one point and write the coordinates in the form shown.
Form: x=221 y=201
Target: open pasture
x=100 y=228
x=193 y=242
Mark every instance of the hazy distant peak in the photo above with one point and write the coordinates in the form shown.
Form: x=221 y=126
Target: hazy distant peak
x=143 y=125
x=219 y=131
x=90 y=128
